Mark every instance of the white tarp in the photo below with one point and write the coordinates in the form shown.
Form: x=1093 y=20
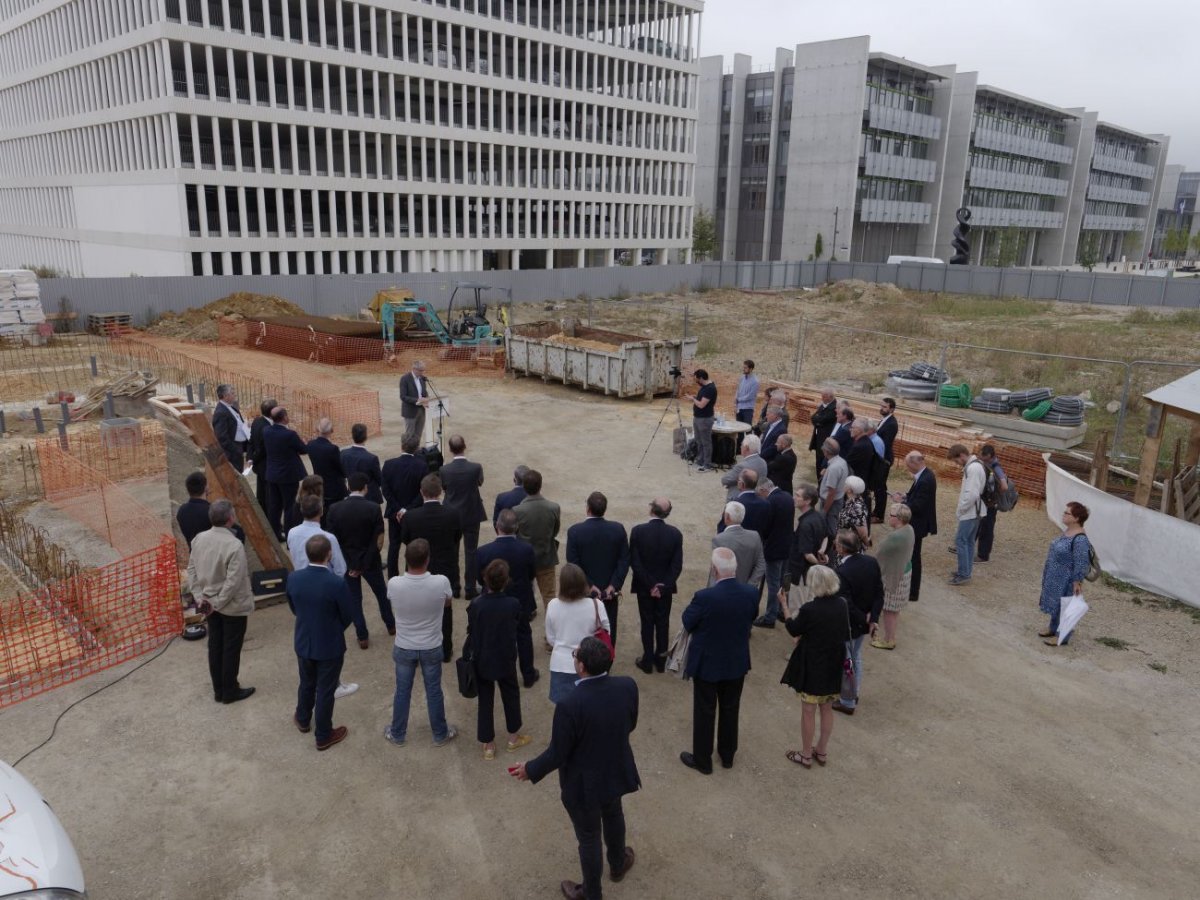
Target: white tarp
x=1141 y=546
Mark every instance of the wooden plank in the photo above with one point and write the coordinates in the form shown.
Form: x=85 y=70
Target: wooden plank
x=1154 y=436
x=1098 y=476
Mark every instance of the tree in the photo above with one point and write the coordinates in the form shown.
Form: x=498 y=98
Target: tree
x=1175 y=243
x=1196 y=242
x=704 y=234
x=1131 y=246
x=1007 y=248
x=1089 y=250
x=818 y=247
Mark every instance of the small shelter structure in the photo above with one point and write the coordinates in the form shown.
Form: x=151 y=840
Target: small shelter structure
x=1179 y=398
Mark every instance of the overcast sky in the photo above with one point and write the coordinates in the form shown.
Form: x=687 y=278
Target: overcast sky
x=1132 y=62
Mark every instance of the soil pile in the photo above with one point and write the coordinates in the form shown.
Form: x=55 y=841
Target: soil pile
x=200 y=324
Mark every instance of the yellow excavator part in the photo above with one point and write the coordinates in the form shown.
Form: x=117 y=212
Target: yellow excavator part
x=391 y=294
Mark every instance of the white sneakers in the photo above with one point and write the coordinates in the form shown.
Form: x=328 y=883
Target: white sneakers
x=345 y=690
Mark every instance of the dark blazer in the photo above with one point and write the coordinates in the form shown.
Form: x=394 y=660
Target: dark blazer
x=258 y=448
x=862 y=459
x=224 y=425
x=507 y=500
x=401 y=483
x=192 y=517
x=284 y=449
x=770 y=435
x=781 y=521
x=589 y=744
x=360 y=459
x=461 y=480
x=757 y=514
x=326 y=461
x=320 y=601
x=782 y=469
x=823 y=419
x=442 y=527
x=357 y=525
x=719 y=620
x=492 y=634
x=656 y=556
x=922 y=500
x=862 y=583
x=408 y=395
x=521 y=570
x=601 y=549
x=823 y=626
x=841 y=434
x=887 y=433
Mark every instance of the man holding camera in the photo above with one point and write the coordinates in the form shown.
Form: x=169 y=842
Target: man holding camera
x=704 y=404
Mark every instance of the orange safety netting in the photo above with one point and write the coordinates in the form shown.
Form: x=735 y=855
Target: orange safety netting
x=117 y=459
x=89 y=622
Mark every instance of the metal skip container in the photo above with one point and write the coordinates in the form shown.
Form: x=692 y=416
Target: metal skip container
x=623 y=365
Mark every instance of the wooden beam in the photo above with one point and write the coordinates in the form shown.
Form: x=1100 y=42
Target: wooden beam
x=1099 y=473
x=1192 y=456
x=1154 y=435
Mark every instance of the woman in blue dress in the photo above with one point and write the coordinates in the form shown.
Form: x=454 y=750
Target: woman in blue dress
x=1066 y=566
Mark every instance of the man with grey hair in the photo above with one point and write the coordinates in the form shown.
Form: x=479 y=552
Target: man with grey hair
x=823 y=418
x=750 y=460
x=777 y=546
x=745 y=545
x=782 y=468
x=219 y=575
x=511 y=498
x=833 y=484
x=414 y=398
x=233 y=434
x=773 y=430
x=326 y=461
x=718 y=619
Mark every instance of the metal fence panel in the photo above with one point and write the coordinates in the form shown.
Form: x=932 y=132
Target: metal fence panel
x=1181 y=293
x=1044 y=285
x=1076 y=286
x=1015 y=282
x=1112 y=289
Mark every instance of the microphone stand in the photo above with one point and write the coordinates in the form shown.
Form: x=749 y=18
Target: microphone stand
x=442 y=414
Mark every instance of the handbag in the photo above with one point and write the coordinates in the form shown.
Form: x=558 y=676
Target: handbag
x=849 y=692
x=677 y=654
x=601 y=633
x=468 y=680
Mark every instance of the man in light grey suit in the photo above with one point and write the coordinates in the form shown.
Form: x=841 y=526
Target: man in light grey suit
x=746 y=545
x=750 y=460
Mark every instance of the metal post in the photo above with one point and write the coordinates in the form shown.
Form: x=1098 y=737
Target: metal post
x=202 y=392
x=589 y=313
x=942 y=361
x=66 y=412
x=95 y=368
x=190 y=396
x=62 y=437
x=799 y=349
x=109 y=408
x=37 y=420
x=686 y=307
x=3 y=429
x=1115 y=449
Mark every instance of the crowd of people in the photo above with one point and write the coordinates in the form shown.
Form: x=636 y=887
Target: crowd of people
x=834 y=559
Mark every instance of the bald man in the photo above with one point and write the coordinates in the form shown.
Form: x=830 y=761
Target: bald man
x=656 y=558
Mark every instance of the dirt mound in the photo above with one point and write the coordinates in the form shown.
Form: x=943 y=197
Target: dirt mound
x=200 y=324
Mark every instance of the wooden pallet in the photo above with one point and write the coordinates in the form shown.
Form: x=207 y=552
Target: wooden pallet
x=1187 y=495
x=112 y=324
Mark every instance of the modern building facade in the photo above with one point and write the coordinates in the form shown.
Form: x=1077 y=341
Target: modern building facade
x=1177 y=208
x=323 y=136
x=875 y=153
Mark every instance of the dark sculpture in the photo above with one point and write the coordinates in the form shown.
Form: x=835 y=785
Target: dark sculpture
x=962 y=250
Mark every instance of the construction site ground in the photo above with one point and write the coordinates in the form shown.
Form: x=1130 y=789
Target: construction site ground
x=981 y=763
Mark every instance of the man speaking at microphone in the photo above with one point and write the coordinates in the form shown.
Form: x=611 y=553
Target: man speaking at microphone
x=414 y=398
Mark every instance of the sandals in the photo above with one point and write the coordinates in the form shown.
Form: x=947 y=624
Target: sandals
x=521 y=741
x=800 y=759
x=883 y=645
x=489 y=752
x=821 y=758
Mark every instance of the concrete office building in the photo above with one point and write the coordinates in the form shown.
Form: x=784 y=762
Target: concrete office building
x=1177 y=207
x=322 y=136
x=875 y=153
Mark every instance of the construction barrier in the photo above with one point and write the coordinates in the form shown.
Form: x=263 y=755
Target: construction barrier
x=92 y=621
x=141 y=455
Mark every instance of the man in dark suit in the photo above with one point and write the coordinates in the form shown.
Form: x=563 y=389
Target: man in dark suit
x=511 y=499
x=401 y=486
x=921 y=499
x=862 y=459
x=462 y=479
x=885 y=429
x=718 y=619
x=321 y=603
x=258 y=451
x=601 y=549
x=192 y=516
x=841 y=431
x=862 y=584
x=777 y=546
x=521 y=575
x=589 y=745
x=782 y=469
x=358 y=527
x=771 y=434
x=326 y=461
x=756 y=512
x=656 y=558
x=823 y=419
x=233 y=434
x=285 y=469
x=414 y=398
x=358 y=458
x=442 y=527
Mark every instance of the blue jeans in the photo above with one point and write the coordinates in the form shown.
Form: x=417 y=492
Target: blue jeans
x=964 y=543
x=774 y=579
x=430 y=662
x=561 y=685
x=856 y=655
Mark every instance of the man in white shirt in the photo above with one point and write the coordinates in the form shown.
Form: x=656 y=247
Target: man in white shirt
x=418 y=599
x=414 y=397
x=233 y=434
x=969 y=511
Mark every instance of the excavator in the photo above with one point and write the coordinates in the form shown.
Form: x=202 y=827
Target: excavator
x=403 y=317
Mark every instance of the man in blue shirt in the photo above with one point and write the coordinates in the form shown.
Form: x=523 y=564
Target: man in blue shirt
x=987 y=525
x=747 y=394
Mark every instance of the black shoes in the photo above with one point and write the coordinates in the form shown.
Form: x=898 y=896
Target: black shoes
x=660 y=663
x=239 y=694
x=532 y=678
x=644 y=664
x=690 y=761
x=764 y=622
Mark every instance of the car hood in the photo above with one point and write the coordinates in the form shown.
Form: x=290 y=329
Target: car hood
x=35 y=851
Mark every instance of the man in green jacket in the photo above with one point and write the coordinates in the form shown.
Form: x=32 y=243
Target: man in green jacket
x=538 y=521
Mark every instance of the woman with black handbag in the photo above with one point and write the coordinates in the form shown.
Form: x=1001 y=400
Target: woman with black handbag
x=822 y=629
x=492 y=620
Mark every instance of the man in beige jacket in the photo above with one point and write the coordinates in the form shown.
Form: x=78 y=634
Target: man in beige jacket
x=220 y=578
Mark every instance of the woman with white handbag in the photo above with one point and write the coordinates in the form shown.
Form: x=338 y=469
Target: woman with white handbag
x=1067 y=566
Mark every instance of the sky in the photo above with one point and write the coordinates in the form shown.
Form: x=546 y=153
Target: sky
x=1134 y=63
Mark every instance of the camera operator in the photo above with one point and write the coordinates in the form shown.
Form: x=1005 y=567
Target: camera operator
x=704 y=403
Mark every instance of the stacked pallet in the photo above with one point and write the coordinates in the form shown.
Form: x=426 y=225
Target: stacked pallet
x=22 y=319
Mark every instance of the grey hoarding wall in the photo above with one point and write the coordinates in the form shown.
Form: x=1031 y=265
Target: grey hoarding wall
x=328 y=295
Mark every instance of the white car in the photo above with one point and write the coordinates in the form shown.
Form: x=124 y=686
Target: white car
x=37 y=861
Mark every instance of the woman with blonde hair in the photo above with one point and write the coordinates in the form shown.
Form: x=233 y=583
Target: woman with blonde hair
x=853 y=516
x=821 y=630
x=570 y=617
x=895 y=564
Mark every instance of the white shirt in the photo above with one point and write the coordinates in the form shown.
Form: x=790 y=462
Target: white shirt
x=419 y=379
x=243 y=430
x=568 y=622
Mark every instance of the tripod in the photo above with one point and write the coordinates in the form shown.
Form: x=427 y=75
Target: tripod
x=673 y=403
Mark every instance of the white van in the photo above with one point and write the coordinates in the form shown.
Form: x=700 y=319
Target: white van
x=893 y=260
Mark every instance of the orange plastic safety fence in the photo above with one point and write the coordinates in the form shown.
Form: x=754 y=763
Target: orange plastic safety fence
x=92 y=621
x=118 y=460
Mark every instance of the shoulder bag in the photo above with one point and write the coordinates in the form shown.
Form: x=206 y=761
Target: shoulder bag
x=601 y=633
x=849 y=691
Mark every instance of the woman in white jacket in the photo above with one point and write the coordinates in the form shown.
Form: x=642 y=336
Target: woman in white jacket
x=570 y=617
